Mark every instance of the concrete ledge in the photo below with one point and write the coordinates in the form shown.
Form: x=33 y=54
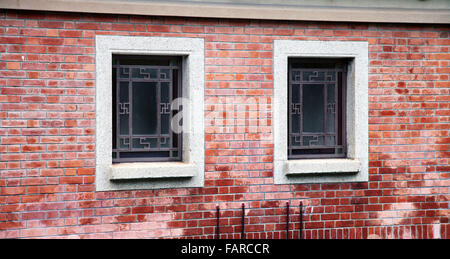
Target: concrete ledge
x=300 y=11
x=320 y=166
x=129 y=171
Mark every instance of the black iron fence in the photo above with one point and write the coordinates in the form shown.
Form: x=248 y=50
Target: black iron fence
x=300 y=220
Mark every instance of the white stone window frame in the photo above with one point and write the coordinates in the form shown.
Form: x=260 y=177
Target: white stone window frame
x=151 y=175
x=353 y=168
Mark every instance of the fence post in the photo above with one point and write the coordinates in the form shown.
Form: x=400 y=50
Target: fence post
x=217 y=226
x=243 y=222
x=287 y=220
x=301 y=220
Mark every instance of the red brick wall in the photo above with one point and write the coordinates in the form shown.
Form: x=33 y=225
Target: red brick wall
x=47 y=126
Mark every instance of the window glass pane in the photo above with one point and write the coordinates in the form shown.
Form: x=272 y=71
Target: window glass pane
x=124 y=143
x=142 y=108
x=296 y=141
x=143 y=60
x=331 y=140
x=165 y=107
x=124 y=73
x=330 y=76
x=295 y=76
x=340 y=110
x=313 y=141
x=164 y=142
x=313 y=108
x=145 y=108
x=295 y=108
x=175 y=93
x=316 y=108
x=145 y=143
x=165 y=92
x=124 y=108
x=153 y=73
x=311 y=76
x=318 y=151
x=164 y=74
x=136 y=73
x=174 y=62
x=144 y=72
x=153 y=154
x=331 y=108
x=165 y=123
x=175 y=140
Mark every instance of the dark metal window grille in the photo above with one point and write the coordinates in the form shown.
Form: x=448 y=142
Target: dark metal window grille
x=143 y=90
x=317 y=90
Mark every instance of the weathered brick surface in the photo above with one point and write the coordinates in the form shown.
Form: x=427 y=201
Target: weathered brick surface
x=47 y=134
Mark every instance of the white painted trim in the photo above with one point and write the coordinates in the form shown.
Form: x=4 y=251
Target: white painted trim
x=330 y=11
x=189 y=172
x=355 y=167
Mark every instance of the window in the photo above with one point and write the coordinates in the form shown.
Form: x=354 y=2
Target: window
x=144 y=88
x=316 y=108
x=320 y=111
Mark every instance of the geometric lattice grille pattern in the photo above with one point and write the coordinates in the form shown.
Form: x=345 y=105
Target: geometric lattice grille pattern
x=143 y=90
x=316 y=108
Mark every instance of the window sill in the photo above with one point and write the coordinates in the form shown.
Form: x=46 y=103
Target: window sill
x=153 y=170
x=321 y=166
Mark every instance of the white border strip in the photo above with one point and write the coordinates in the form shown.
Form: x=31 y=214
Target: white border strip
x=207 y=10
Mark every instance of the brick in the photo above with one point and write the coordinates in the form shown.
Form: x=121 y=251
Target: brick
x=71 y=163
x=51 y=24
x=12 y=40
x=13 y=157
x=193 y=29
x=33 y=148
x=47 y=134
x=70 y=34
x=51 y=41
x=87 y=26
x=13 y=140
x=13 y=65
x=442 y=56
x=12 y=190
x=123 y=27
x=13 y=123
x=33 y=49
x=158 y=28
